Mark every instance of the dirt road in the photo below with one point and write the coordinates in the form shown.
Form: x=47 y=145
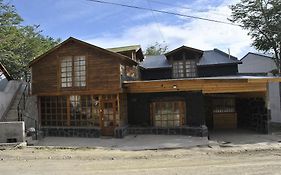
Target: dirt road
x=62 y=161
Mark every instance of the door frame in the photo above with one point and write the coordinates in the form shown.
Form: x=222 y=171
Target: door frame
x=105 y=129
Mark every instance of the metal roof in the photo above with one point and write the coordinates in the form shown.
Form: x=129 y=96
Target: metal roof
x=216 y=56
x=209 y=57
x=154 y=62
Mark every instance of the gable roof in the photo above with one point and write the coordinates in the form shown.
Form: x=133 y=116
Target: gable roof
x=258 y=54
x=184 y=48
x=154 y=62
x=5 y=72
x=215 y=57
x=121 y=57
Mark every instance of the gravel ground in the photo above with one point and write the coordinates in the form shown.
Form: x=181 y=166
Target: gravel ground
x=264 y=158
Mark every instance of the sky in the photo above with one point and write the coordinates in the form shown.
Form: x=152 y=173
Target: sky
x=113 y=26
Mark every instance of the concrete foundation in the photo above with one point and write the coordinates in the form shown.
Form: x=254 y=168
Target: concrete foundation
x=12 y=132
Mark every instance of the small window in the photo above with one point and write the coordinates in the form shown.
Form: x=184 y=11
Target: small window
x=66 y=72
x=79 y=71
x=178 y=69
x=190 y=68
x=184 y=68
x=224 y=105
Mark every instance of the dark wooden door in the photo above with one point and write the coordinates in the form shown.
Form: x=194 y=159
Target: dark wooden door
x=108 y=121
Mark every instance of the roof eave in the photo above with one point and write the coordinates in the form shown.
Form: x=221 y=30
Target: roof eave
x=124 y=58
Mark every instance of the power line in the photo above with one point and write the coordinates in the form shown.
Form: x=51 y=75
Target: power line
x=164 y=12
x=187 y=8
x=156 y=20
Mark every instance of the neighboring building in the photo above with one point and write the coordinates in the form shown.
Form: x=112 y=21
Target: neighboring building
x=4 y=77
x=256 y=64
x=84 y=90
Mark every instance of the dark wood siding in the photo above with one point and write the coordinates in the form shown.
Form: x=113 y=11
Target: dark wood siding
x=139 y=114
x=156 y=74
x=103 y=71
x=217 y=70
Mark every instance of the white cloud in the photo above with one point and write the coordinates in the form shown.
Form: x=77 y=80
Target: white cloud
x=193 y=33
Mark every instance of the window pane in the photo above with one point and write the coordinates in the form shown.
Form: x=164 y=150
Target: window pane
x=66 y=71
x=80 y=71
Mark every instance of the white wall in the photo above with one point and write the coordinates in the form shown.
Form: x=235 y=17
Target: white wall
x=274 y=102
x=7 y=95
x=253 y=63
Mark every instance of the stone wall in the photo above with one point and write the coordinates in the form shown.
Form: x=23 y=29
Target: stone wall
x=201 y=131
x=71 y=132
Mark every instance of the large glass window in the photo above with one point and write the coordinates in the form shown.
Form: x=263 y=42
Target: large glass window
x=84 y=111
x=168 y=114
x=184 y=68
x=73 y=71
x=54 y=111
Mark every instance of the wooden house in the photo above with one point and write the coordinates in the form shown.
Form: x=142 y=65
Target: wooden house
x=84 y=90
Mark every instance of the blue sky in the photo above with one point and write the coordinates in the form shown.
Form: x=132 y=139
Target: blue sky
x=111 y=26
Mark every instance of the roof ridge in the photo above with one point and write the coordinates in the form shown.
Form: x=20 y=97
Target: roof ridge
x=225 y=54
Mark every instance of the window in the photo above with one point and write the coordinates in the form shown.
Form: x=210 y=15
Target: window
x=66 y=72
x=223 y=105
x=168 y=114
x=81 y=111
x=190 y=68
x=54 y=111
x=128 y=72
x=73 y=71
x=178 y=70
x=184 y=68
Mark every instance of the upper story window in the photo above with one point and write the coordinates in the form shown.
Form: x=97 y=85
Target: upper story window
x=73 y=71
x=184 y=68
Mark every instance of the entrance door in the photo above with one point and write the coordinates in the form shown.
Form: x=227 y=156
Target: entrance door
x=108 y=118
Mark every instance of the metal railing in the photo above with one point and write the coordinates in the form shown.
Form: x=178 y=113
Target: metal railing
x=22 y=107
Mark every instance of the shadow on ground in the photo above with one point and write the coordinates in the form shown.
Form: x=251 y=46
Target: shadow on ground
x=240 y=136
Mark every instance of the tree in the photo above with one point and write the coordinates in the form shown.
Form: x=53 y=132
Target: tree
x=156 y=49
x=262 y=18
x=20 y=44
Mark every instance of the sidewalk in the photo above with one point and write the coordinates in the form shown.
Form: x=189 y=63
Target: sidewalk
x=131 y=142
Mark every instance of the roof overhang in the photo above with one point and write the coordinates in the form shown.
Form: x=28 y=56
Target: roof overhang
x=219 y=64
x=206 y=85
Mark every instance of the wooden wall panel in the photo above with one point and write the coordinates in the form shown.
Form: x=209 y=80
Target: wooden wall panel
x=103 y=71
